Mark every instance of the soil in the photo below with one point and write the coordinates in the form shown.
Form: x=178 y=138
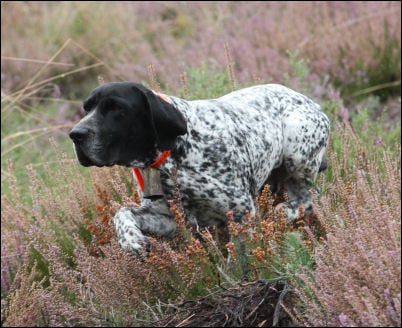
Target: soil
x=254 y=304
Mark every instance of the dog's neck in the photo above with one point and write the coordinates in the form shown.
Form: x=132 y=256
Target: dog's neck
x=148 y=179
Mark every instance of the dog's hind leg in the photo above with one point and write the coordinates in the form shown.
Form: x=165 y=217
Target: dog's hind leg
x=301 y=174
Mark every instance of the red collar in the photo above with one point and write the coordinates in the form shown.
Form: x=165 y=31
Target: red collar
x=161 y=159
x=158 y=162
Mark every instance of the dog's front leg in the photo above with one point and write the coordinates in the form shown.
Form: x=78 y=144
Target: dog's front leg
x=131 y=224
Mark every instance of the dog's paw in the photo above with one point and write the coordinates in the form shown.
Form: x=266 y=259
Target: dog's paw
x=291 y=214
x=130 y=237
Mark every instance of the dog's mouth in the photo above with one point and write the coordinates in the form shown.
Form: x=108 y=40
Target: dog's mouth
x=108 y=157
x=87 y=161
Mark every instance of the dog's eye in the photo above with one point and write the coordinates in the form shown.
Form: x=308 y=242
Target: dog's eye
x=119 y=113
x=88 y=105
x=86 y=109
x=109 y=105
x=114 y=109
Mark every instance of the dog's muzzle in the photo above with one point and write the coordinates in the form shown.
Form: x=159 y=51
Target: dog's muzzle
x=80 y=137
x=79 y=134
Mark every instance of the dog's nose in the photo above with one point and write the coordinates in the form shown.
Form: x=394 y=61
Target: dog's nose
x=78 y=134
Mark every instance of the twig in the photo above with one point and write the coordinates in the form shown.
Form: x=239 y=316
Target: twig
x=183 y=80
x=34 y=61
x=258 y=305
x=152 y=78
x=278 y=304
x=230 y=67
x=185 y=321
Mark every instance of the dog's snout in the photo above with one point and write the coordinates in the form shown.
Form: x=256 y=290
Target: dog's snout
x=78 y=134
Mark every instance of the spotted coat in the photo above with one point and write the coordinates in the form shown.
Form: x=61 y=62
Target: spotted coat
x=230 y=148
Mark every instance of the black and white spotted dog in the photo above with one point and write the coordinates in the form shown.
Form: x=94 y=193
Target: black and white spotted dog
x=224 y=150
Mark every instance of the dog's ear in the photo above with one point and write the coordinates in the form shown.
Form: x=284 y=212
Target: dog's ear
x=167 y=122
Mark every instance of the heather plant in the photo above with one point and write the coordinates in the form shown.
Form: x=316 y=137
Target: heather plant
x=380 y=77
x=69 y=261
x=61 y=263
x=357 y=272
x=68 y=258
x=357 y=44
x=70 y=254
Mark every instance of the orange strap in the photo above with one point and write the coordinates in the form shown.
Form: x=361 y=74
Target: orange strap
x=158 y=162
x=161 y=159
x=138 y=176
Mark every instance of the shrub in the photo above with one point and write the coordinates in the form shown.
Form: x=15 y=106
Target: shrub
x=356 y=278
x=63 y=243
x=357 y=44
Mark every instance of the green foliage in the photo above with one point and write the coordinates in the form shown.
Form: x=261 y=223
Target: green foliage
x=41 y=265
x=70 y=297
x=299 y=72
x=296 y=254
x=67 y=246
x=373 y=131
x=204 y=83
x=387 y=73
x=380 y=77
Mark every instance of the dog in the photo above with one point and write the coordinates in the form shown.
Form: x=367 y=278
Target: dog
x=222 y=151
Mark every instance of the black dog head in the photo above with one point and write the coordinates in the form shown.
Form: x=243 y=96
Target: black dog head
x=126 y=124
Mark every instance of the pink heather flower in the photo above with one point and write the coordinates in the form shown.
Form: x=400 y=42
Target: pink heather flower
x=343 y=319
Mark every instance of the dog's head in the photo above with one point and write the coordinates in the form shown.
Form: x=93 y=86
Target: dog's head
x=125 y=124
